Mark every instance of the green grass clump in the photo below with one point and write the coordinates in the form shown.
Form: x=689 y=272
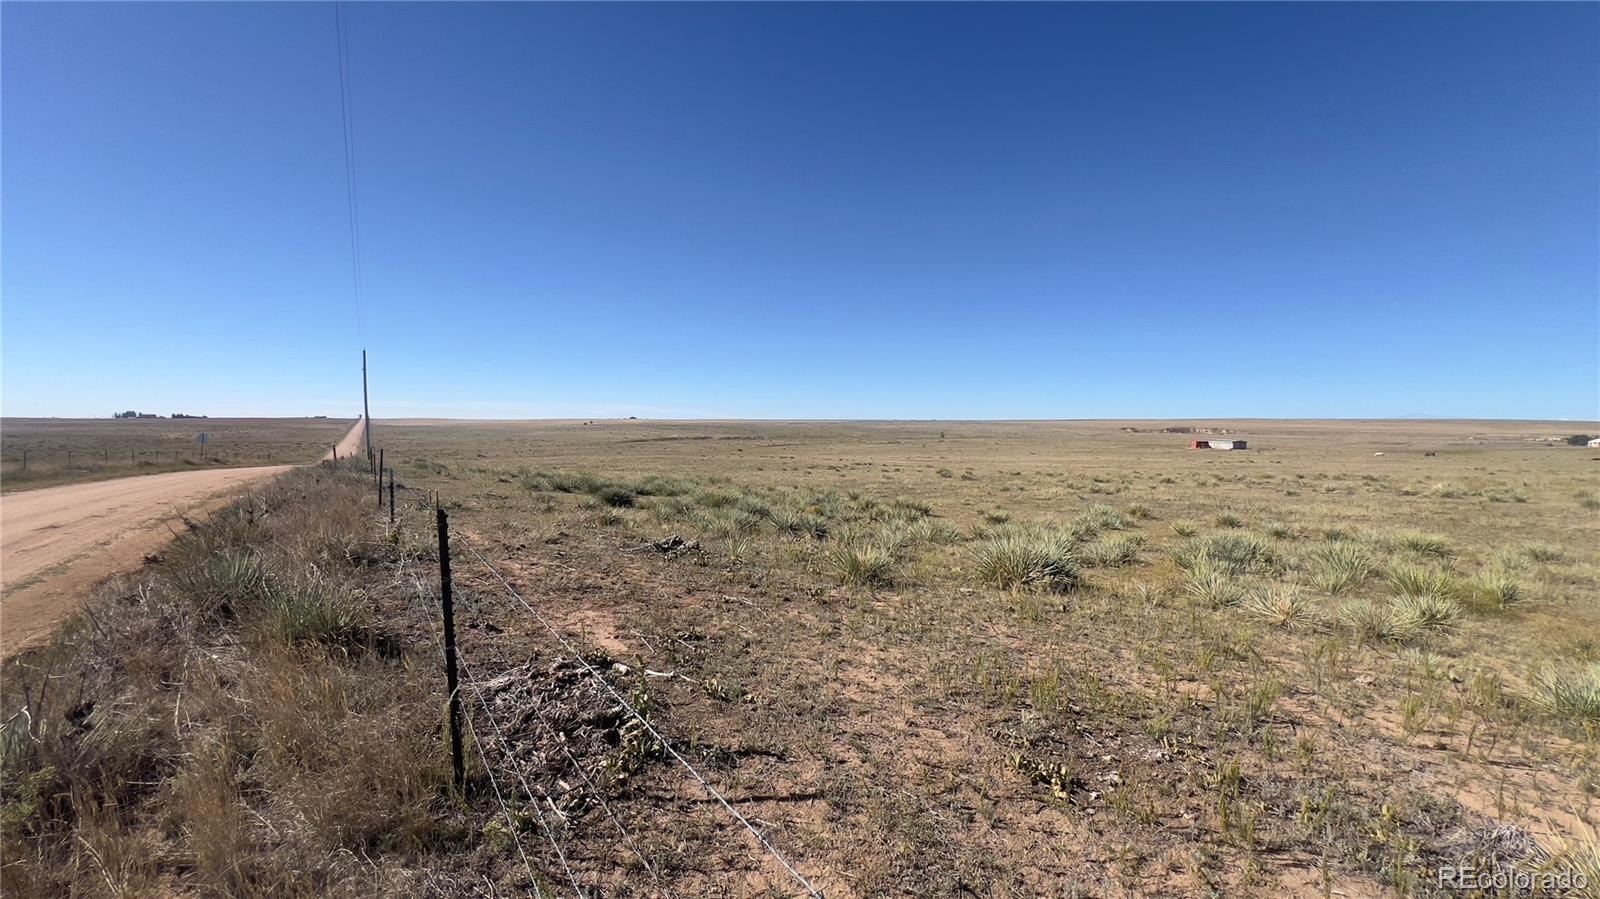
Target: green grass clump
x=862 y=564
x=1095 y=519
x=314 y=611
x=1542 y=552
x=1214 y=584
x=1571 y=693
x=1416 y=580
x=1277 y=530
x=798 y=522
x=1426 y=612
x=1020 y=559
x=934 y=531
x=224 y=583
x=615 y=496
x=1336 y=567
x=1425 y=544
x=1227 y=520
x=1140 y=512
x=1113 y=552
x=1281 y=606
x=1375 y=622
x=1184 y=528
x=1497 y=588
x=1237 y=553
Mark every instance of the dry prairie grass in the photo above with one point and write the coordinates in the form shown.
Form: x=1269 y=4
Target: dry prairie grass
x=1354 y=699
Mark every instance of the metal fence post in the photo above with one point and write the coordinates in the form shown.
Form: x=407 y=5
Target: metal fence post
x=378 y=477
x=391 y=497
x=457 y=765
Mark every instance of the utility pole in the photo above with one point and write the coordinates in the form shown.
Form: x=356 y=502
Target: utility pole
x=366 y=414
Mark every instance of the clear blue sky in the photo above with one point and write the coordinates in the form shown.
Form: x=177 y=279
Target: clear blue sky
x=899 y=211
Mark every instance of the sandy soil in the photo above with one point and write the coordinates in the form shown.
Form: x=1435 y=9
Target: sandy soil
x=57 y=543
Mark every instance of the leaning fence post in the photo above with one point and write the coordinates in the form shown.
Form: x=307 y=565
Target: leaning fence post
x=457 y=766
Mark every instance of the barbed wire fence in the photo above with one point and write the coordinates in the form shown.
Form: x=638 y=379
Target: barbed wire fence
x=427 y=604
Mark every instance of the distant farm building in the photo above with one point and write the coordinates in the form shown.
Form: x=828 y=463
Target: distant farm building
x=1595 y=443
x=1217 y=444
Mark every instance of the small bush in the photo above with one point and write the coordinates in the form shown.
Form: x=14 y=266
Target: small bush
x=1091 y=521
x=1036 y=560
x=1184 y=528
x=1227 y=520
x=1140 y=512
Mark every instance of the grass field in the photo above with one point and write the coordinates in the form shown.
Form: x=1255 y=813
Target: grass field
x=992 y=659
x=70 y=450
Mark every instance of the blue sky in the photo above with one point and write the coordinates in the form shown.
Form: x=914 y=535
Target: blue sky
x=898 y=211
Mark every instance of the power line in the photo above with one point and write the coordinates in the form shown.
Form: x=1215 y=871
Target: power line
x=347 y=123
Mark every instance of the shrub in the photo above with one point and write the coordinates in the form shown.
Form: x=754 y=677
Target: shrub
x=865 y=565
x=1336 y=567
x=1184 y=528
x=1140 y=512
x=1227 y=520
x=1021 y=559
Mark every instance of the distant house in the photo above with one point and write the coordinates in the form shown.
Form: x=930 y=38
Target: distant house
x=1220 y=444
x=1199 y=444
x=1595 y=443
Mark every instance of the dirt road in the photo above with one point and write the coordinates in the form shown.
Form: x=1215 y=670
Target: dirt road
x=57 y=543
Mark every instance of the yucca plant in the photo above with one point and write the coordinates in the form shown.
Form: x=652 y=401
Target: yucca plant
x=865 y=565
x=1377 y=622
x=1336 y=567
x=1022 y=559
x=1571 y=692
x=1416 y=580
x=1542 y=552
x=1113 y=552
x=1280 y=606
x=1213 y=584
x=1426 y=611
x=1425 y=544
x=1497 y=587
